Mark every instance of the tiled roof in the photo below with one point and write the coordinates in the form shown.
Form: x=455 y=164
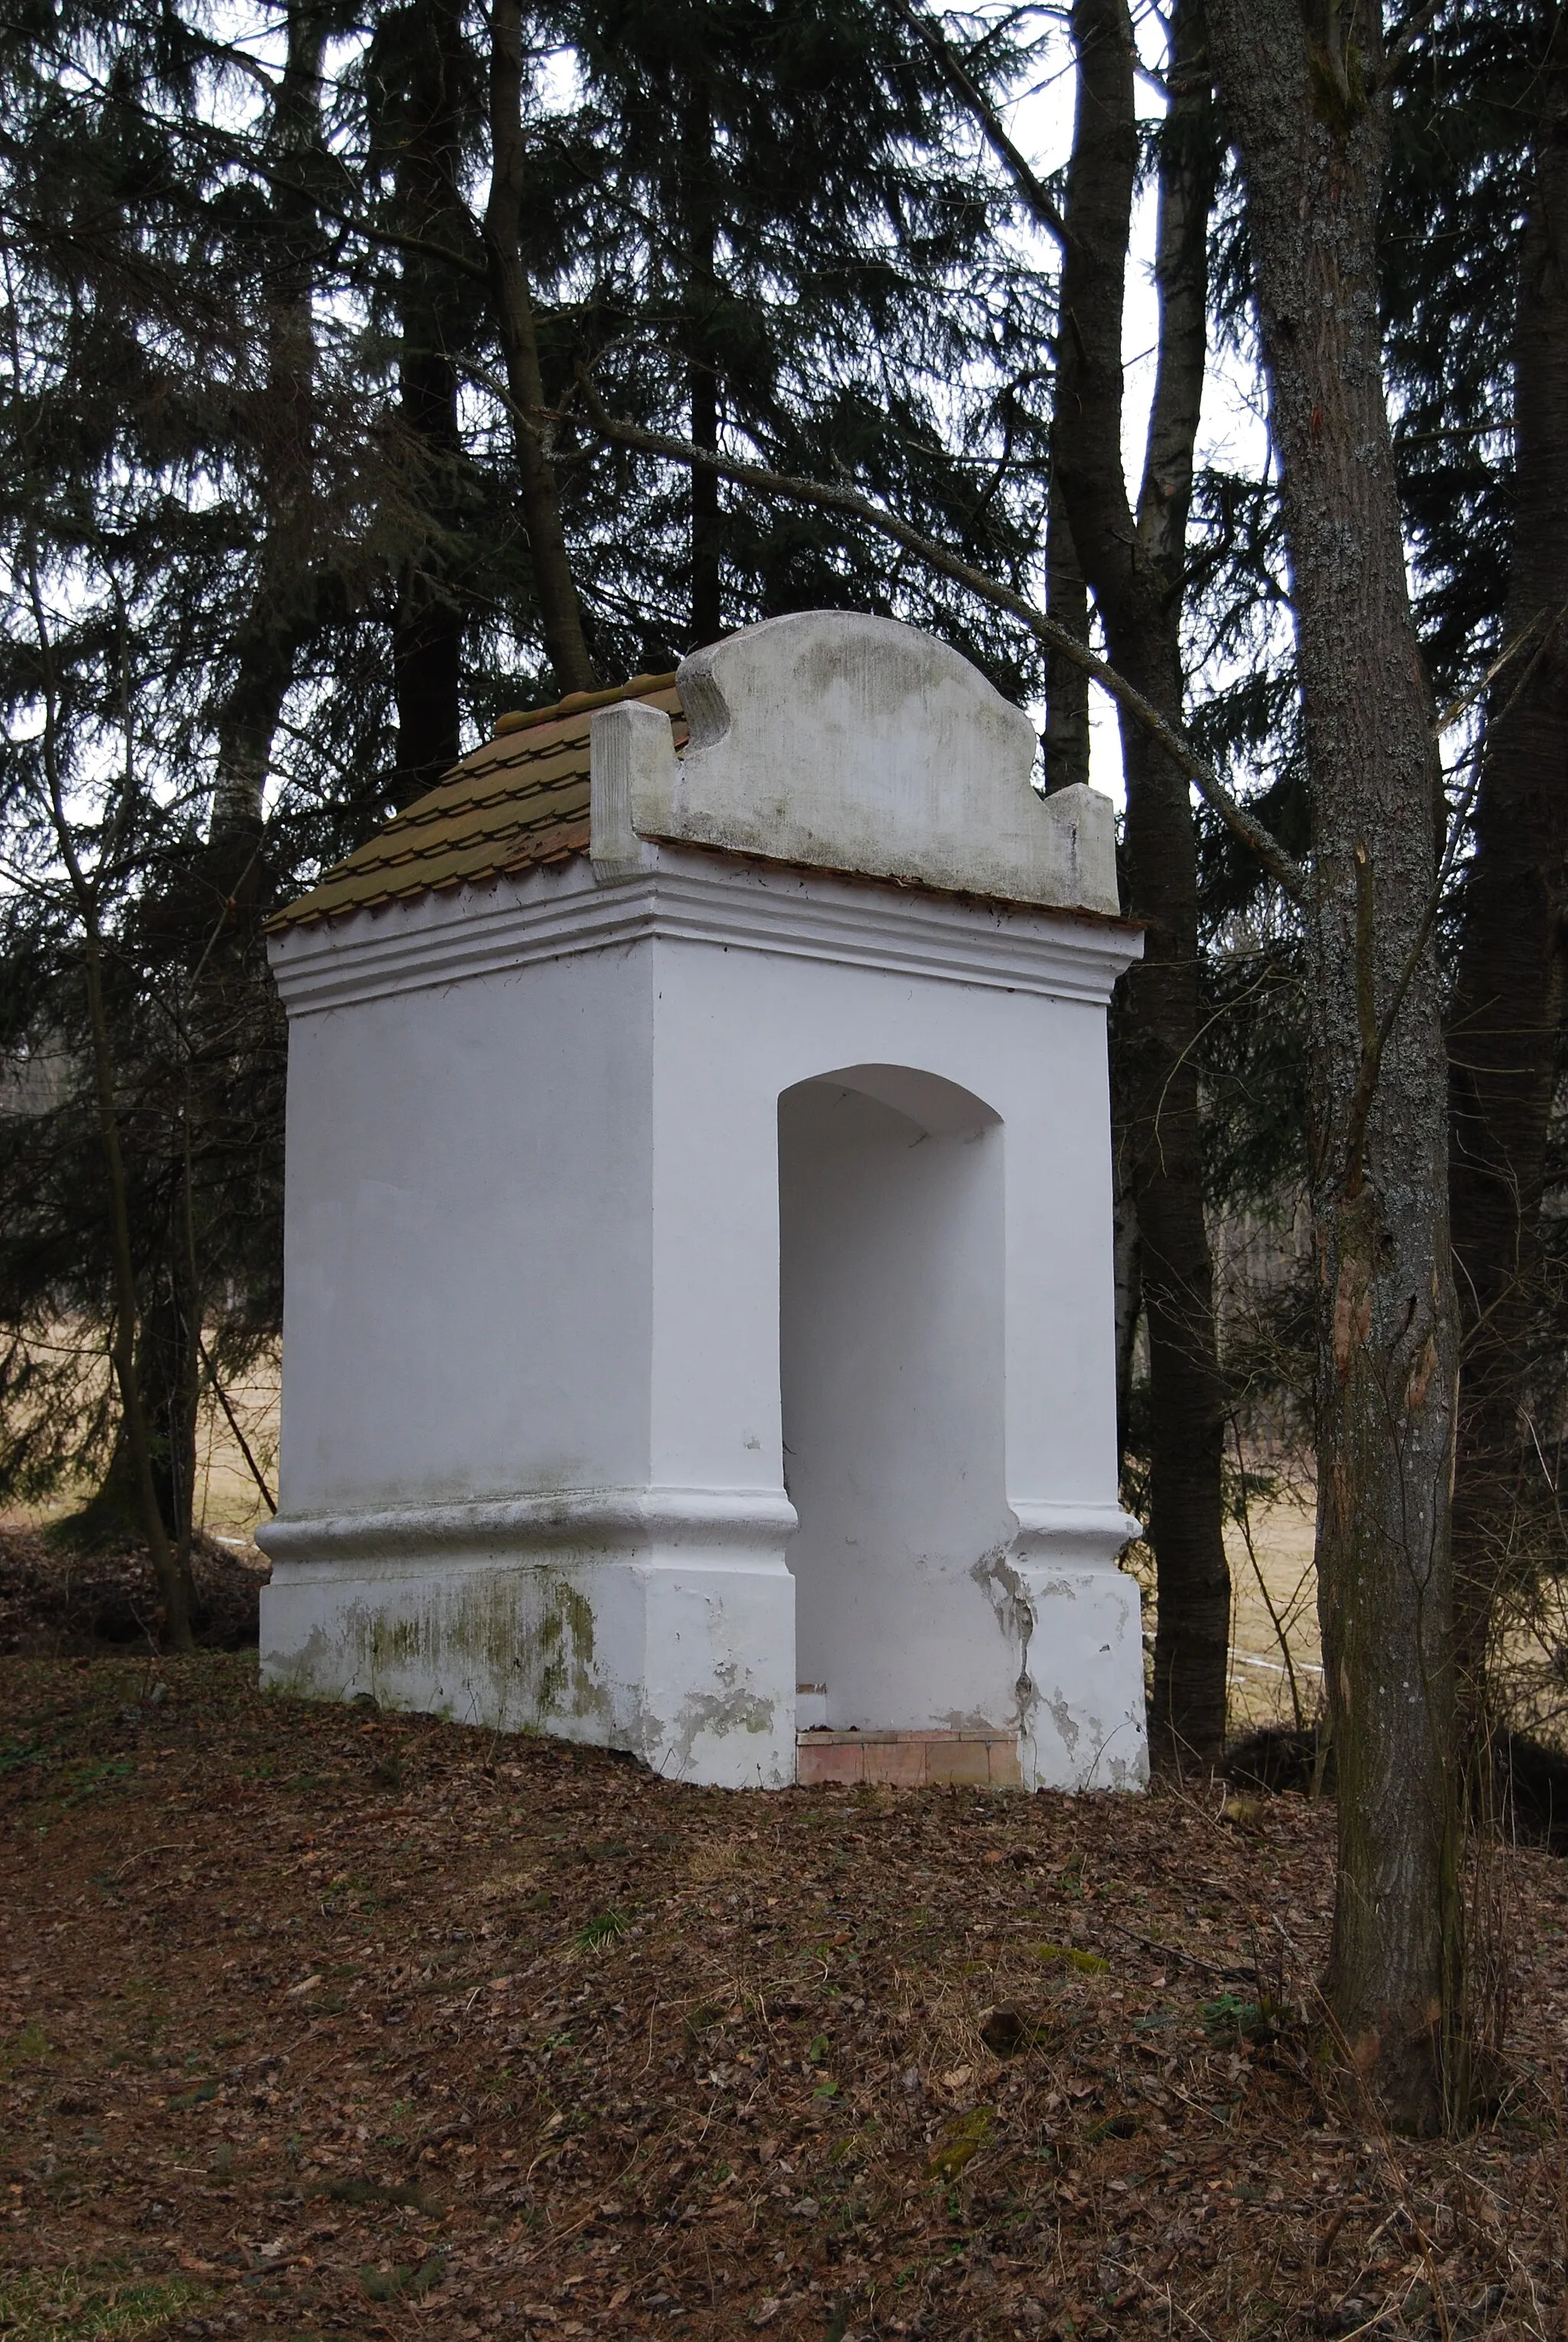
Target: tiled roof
x=521 y=799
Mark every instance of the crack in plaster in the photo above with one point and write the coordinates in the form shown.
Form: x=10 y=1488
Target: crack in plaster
x=1008 y=1596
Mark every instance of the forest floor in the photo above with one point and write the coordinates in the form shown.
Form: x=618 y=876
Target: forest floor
x=321 y=2021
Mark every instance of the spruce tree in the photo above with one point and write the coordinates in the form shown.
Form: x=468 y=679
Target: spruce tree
x=793 y=246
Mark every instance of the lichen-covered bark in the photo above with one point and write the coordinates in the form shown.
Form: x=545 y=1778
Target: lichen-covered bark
x=1066 y=736
x=1305 y=108
x=1134 y=564
x=1508 y=1003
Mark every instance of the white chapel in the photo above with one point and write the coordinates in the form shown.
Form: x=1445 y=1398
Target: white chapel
x=698 y=1333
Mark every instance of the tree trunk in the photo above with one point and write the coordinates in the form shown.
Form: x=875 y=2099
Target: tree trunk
x=166 y=1377
x=172 y=1581
x=1135 y=565
x=702 y=301
x=123 y=1353
x=1310 y=115
x=164 y=1347
x=248 y=726
x=1065 y=745
x=1508 y=1003
x=213 y=924
x=560 y=610
x=427 y=671
x=280 y=607
x=427 y=630
x=170 y=1578
x=707 y=597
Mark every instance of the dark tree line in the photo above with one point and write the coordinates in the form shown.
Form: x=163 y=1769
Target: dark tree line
x=367 y=374
x=290 y=518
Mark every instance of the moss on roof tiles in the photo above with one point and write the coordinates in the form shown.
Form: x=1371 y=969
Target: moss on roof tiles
x=520 y=800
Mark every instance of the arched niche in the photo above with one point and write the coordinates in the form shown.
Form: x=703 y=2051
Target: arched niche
x=892 y=1370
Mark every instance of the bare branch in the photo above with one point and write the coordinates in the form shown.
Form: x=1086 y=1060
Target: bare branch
x=1281 y=865
x=1510 y=651
x=559 y=606
x=1041 y=209
x=1404 y=38
x=257 y=1475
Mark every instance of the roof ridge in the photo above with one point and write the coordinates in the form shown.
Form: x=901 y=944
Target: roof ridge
x=523 y=719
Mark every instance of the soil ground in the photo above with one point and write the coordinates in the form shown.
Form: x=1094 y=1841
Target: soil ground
x=318 y=2021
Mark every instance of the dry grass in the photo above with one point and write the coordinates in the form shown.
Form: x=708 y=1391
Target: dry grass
x=228 y=1504
x=1273 y=1588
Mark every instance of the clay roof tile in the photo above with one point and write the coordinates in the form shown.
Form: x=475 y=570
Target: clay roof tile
x=522 y=799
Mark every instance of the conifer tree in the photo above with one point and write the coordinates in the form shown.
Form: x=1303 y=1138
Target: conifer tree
x=794 y=249
x=1309 y=103
x=1484 y=447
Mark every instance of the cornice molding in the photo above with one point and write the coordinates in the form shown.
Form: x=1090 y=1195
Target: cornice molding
x=695 y=896
x=584 y=1522
x=1053 y=1536
x=692 y=1523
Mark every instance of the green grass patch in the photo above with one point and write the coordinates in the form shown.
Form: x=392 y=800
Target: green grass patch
x=608 y=1927
x=26 y=2048
x=84 y=1781
x=1230 y=2018
x=201 y=2096
x=402 y=2281
x=367 y=2191
x=77 y=2305
x=1087 y=1963
x=960 y=2142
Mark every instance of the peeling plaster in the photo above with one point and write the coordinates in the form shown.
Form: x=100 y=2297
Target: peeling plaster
x=1009 y=1598
x=716 y=1713
x=1066 y=1723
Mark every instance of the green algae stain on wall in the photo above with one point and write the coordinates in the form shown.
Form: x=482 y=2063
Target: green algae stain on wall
x=511 y=1649
x=555 y=1661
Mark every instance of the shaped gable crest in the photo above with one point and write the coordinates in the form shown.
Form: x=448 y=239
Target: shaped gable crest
x=840 y=742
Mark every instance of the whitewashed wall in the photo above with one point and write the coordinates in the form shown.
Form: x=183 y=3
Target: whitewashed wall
x=893 y=1376
x=532 y=1446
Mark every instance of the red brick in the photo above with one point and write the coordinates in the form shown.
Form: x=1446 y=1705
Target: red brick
x=957 y=1760
x=818 y=1762
x=900 y=1760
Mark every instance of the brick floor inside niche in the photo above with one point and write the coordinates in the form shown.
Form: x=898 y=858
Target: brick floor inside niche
x=911 y=1760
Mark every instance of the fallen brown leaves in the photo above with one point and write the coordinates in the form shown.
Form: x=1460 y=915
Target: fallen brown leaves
x=56 y=1602
x=329 y=2022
